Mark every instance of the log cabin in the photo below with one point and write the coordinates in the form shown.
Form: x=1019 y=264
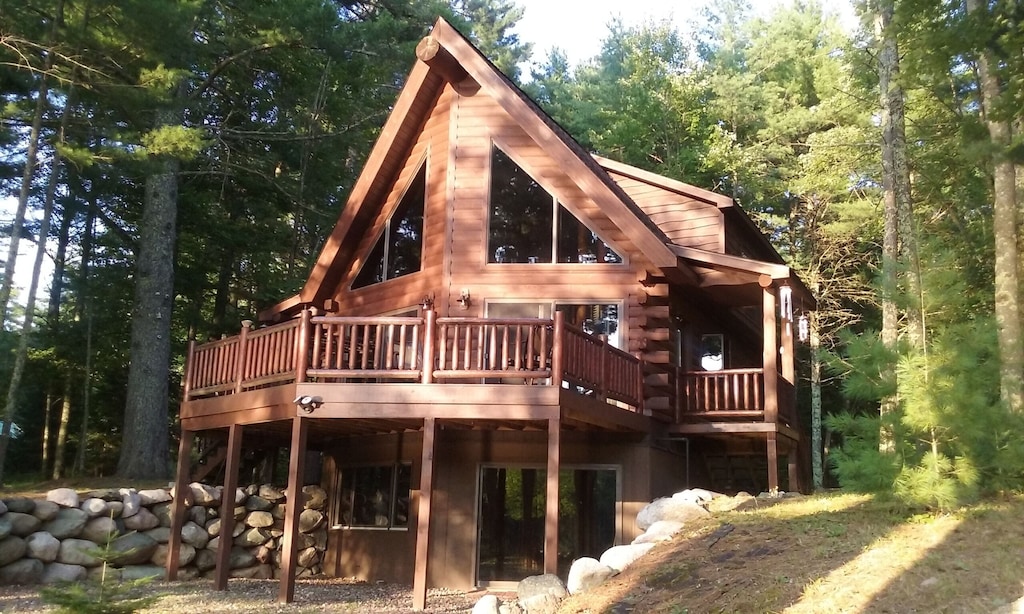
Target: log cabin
x=506 y=348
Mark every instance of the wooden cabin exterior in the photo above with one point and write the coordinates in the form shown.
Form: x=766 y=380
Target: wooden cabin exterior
x=506 y=348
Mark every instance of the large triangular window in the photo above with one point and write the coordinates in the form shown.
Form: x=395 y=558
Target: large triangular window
x=528 y=225
x=399 y=250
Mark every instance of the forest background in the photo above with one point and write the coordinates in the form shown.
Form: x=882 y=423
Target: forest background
x=181 y=161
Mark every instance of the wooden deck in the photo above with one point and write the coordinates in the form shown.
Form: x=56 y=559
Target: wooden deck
x=399 y=371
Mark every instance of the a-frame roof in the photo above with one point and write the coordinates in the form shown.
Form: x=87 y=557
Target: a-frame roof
x=447 y=56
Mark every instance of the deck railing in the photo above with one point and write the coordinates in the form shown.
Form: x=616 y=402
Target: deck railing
x=421 y=349
x=733 y=393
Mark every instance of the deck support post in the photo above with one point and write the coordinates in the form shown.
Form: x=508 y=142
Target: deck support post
x=294 y=505
x=419 y=583
x=793 y=460
x=769 y=351
x=773 y=462
x=178 y=505
x=551 y=500
x=227 y=507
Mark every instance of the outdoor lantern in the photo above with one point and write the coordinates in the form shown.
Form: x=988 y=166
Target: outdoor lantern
x=803 y=328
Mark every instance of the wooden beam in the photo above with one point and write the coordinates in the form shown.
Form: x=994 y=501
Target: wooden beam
x=773 y=462
x=227 y=507
x=294 y=505
x=551 y=501
x=178 y=506
x=770 y=354
x=419 y=583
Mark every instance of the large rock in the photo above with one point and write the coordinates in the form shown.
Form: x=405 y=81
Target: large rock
x=669 y=509
x=205 y=559
x=131 y=502
x=660 y=531
x=63 y=572
x=214 y=528
x=162 y=535
x=100 y=529
x=5 y=525
x=271 y=493
x=132 y=549
x=251 y=538
x=115 y=508
x=541 y=594
x=3 y=507
x=307 y=557
x=279 y=511
x=254 y=572
x=154 y=496
x=94 y=507
x=259 y=519
x=140 y=572
x=45 y=510
x=22 y=524
x=43 y=546
x=21 y=505
x=23 y=571
x=257 y=503
x=198 y=514
x=204 y=495
x=586 y=573
x=488 y=604
x=68 y=522
x=310 y=520
x=316 y=497
x=163 y=513
x=144 y=520
x=12 y=548
x=741 y=501
x=194 y=535
x=240 y=496
x=64 y=497
x=79 y=552
x=621 y=557
x=107 y=494
x=186 y=554
x=240 y=557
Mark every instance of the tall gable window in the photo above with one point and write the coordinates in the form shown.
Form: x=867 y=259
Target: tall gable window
x=399 y=250
x=528 y=225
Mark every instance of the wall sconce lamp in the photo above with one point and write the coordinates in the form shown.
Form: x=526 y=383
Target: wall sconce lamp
x=427 y=303
x=308 y=403
x=464 y=299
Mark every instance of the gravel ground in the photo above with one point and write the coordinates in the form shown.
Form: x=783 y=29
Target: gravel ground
x=260 y=597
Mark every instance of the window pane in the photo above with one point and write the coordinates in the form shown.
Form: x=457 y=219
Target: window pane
x=521 y=216
x=371 y=489
x=373 y=269
x=594 y=319
x=405 y=247
x=403 y=486
x=577 y=243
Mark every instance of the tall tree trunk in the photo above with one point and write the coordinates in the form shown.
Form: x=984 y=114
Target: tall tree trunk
x=62 y=431
x=83 y=437
x=47 y=421
x=1004 y=227
x=59 y=266
x=144 y=445
x=817 y=463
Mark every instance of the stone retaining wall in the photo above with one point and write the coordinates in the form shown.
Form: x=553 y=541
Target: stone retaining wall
x=56 y=539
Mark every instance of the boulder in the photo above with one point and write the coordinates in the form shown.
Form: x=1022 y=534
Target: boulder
x=103 y=573
x=240 y=496
x=100 y=529
x=132 y=549
x=214 y=528
x=189 y=500
x=154 y=496
x=94 y=507
x=239 y=512
x=12 y=548
x=198 y=515
x=256 y=503
x=64 y=497
x=541 y=594
x=315 y=497
x=279 y=511
x=586 y=573
x=45 y=510
x=144 y=520
x=107 y=494
x=68 y=522
x=310 y=520
x=79 y=552
x=205 y=559
x=621 y=557
x=54 y=573
x=259 y=519
x=669 y=509
x=43 y=546
x=204 y=495
x=510 y=607
x=163 y=512
x=161 y=535
x=21 y=505
x=254 y=572
x=488 y=604
x=320 y=538
x=251 y=538
x=186 y=554
x=240 y=557
x=21 y=524
x=194 y=535
x=271 y=493
x=741 y=501
x=213 y=544
x=660 y=531
x=140 y=572
x=698 y=496
x=3 y=507
x=265 y=553
x=307 y=557
x=116 y=508
x=23 y=571
x=131 y=502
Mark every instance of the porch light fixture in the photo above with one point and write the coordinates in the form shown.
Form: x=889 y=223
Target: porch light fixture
x=803 y=328
x=464 y=299
x=308 y=403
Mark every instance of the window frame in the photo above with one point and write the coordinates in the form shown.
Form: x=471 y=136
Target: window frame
x=338 y=505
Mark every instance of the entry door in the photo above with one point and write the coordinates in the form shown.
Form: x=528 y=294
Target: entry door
x=511 y=520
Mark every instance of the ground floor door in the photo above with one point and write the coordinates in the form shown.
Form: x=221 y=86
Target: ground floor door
x=510 y=529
